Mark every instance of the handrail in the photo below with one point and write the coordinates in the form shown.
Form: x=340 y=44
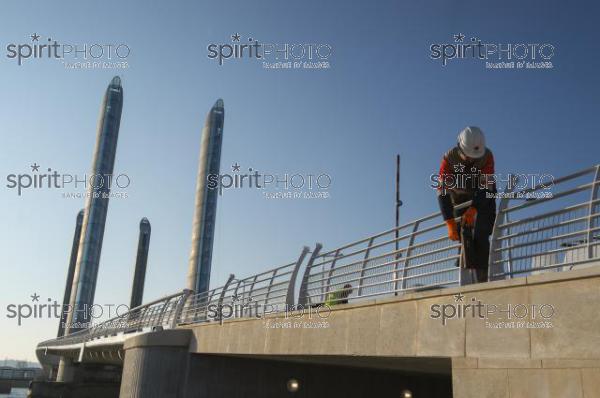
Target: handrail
x=416 y=255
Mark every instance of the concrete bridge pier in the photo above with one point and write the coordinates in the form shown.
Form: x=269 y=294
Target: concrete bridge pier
x=5 y=387
x=155 y=364
x=66 y=370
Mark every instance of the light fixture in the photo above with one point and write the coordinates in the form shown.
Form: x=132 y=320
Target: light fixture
x=406 y=394
x=293 y=385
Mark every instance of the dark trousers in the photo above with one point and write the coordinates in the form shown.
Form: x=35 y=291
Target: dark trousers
x=479 y=260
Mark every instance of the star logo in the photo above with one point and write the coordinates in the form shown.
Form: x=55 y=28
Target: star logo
x=235 y=167
x=459 y=297
x=35 y=37
x=35 y=297
x=458 y=168
x=459 y=38
x=35 y=167
x=235 y=37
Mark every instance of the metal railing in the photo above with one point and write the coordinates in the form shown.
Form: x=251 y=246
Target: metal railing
x=417 y=255
x=251 y=296
x=162 y=313
x=552 y=226
x=549 y=227
x=267 y=291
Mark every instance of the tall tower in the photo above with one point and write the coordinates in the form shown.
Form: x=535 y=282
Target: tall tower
x=141 y=260
x=205 y=207
x=96 y=206
x=70 y=273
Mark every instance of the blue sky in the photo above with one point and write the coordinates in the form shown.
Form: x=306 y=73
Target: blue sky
x=383 y=95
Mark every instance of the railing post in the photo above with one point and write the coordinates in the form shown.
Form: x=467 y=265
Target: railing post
x=303 y=297
x=207 y=300
x=364 y=266
x=163 y=309
x=252 y=286
x=273 y=276
x=329 y=275
x=223 y=292
x=409 y=250
x=290 y=298
x=249 y=309
x=151 y=316
x=501 y=218
x=593 y=197
x=143 y=317
x=180 y=306
x=397 y=257
x=237 y=288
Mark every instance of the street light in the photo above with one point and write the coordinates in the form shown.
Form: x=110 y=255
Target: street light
x=293 y=385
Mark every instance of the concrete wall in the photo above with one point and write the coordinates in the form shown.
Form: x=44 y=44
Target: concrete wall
x=238 y=377
x=47 y=389
x=562 y=360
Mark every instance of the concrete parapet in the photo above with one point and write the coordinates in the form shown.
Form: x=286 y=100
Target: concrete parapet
x=519 y=358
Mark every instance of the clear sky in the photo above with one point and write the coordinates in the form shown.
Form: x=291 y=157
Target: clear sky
x=382 y=95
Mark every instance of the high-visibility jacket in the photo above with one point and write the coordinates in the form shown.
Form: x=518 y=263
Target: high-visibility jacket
x=468 y=181
x=334 y=298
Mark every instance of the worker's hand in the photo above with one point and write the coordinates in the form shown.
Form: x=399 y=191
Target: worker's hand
x=452 y=229
x=469 y=216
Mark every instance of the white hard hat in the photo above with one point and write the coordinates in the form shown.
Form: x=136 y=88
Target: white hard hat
x=472 y=142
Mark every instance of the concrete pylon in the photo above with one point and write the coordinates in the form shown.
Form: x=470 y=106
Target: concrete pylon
x=205 y=207
x=96 y=207
x=141 y=260
x=70 y=273
x=94 y=219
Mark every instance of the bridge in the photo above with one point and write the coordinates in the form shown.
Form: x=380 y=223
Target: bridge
x=11 y=377
x=412 y=325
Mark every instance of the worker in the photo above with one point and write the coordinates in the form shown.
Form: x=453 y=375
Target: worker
x=467 y=174
x=339 y=296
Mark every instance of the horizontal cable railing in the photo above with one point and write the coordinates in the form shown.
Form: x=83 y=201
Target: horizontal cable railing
x=546 y=227
x=414 y=256
x=251 y=296
x=158 y=313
